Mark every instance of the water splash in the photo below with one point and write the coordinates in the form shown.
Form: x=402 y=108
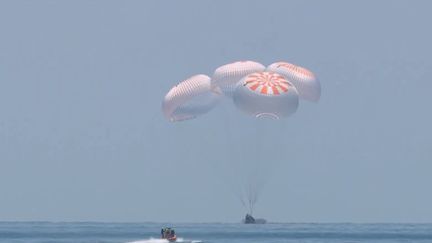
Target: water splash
x=153 y=240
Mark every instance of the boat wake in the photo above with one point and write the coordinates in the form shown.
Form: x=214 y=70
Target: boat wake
x=153 y=240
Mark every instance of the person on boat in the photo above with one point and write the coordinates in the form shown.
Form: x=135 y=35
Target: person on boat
x=167 y=233
x=164 y=233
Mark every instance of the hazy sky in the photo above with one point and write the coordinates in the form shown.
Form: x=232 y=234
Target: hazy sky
x=82 y=135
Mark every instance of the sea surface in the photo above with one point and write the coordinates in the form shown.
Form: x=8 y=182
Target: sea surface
x=49 y=232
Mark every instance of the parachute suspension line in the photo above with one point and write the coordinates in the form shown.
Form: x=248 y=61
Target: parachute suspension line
x=243 y=196
x=251 y=199
x=229 y=137
x=251 y=195
x=243 y=202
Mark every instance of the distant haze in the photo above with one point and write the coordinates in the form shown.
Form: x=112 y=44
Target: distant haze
x=83 y=138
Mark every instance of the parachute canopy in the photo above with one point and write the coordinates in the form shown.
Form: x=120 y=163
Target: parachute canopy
x=259 y=91
x=266 y=94
x=190 y=98
x=306 y=83
x=227 y=76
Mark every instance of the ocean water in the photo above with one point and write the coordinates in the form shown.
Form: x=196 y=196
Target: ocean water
x=48 y=232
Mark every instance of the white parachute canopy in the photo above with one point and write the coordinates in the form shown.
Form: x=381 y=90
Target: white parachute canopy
x=306 y=83
x=190 y=98
x=227 y=76
x=266 y=94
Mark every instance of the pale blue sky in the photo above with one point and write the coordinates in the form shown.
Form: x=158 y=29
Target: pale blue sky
x=82 y=136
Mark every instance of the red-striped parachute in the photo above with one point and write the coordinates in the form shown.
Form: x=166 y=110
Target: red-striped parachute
x=306 y=83
x=266 y=94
